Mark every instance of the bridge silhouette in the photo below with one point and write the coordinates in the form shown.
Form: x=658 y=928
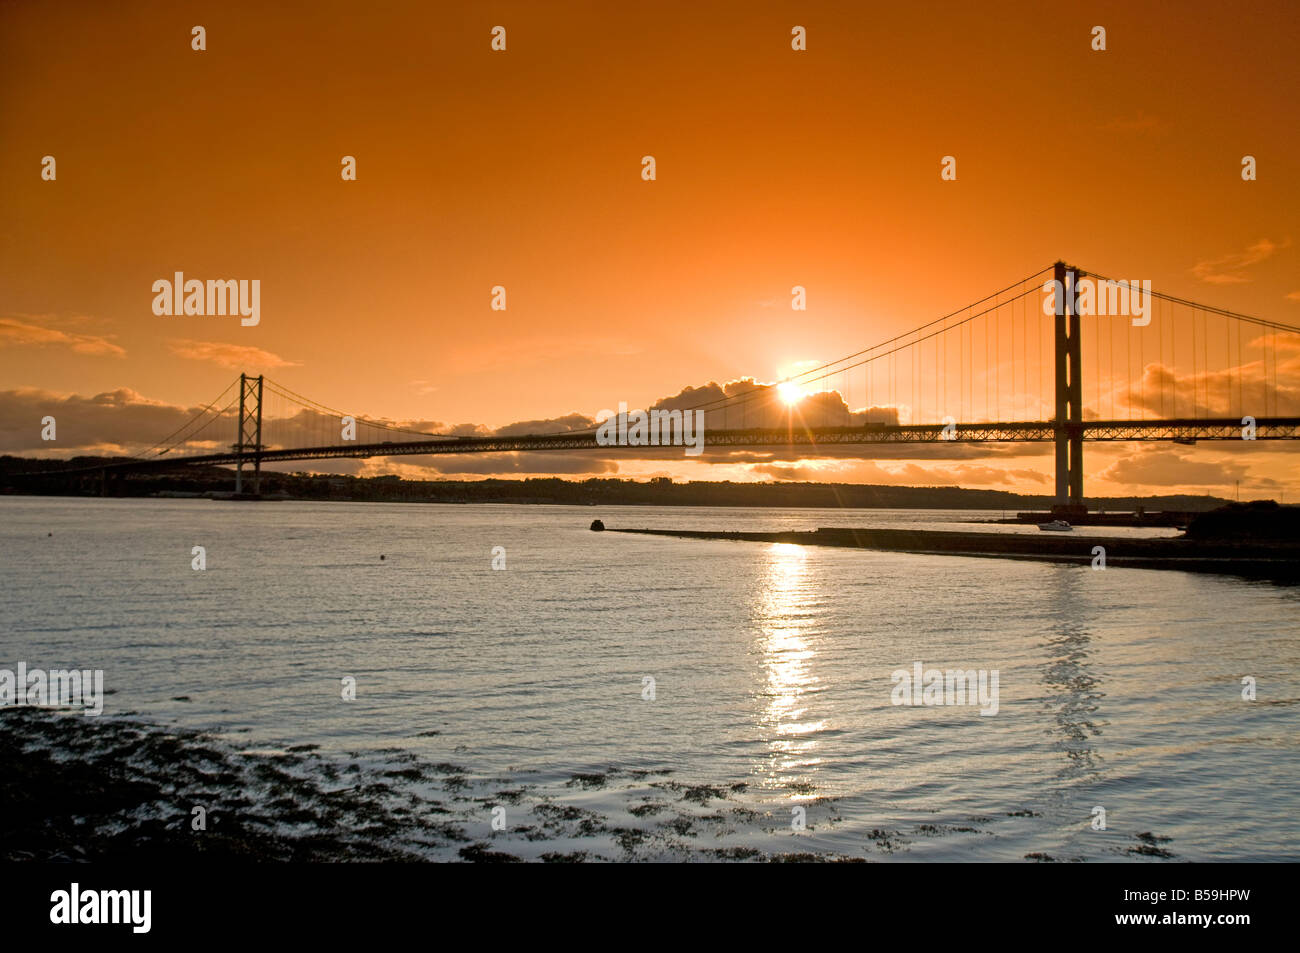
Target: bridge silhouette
x=930 y=385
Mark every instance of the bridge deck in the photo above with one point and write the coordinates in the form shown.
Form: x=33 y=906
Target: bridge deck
x=1181 y=430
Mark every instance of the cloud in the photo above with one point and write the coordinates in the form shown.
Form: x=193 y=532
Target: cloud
x=1231 y=269
x=1169 y=468
x=14 y=333
x=908 y=474
x=746 y=403
x=962 y=474
x=936 y=450
x=565 y=424
x=235 y=356
x=788 y=471
x=499 y=464
x=119 y=421
x=1249 y=387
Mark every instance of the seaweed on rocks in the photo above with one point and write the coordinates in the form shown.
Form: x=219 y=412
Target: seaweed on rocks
x=93 y=789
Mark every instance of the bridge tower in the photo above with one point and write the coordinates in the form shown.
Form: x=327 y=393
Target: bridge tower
x=1069 y=392
x=248 y=431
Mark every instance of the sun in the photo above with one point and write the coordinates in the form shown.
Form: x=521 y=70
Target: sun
x=788 y=392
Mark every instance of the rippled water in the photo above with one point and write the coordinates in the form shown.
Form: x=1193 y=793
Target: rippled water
x=771 y=665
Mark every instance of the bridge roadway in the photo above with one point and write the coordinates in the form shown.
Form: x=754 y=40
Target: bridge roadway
x=1185 y=430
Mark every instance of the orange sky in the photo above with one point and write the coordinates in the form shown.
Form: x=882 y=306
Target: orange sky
x=478 y=168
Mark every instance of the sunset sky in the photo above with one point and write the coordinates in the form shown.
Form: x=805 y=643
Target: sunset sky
x=522 y=168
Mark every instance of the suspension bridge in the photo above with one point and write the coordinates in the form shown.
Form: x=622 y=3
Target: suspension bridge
x=1033 y=362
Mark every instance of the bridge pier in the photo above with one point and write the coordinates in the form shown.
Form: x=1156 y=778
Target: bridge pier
x=1068 y=417
x=248 y=433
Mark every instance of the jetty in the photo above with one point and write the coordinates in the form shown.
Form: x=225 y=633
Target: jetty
x=1273 y=559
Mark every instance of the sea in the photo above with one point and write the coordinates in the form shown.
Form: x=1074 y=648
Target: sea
x=498 y=681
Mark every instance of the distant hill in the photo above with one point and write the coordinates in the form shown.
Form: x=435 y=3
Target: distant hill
x=552 y=490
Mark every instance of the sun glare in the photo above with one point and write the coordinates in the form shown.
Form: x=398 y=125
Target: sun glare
x=788 y=392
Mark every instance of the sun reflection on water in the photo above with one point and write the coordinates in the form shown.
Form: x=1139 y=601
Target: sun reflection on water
x=785 y=616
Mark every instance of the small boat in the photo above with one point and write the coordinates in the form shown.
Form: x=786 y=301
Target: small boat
x=1056 y=526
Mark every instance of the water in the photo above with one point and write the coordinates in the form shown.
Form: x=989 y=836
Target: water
x=771 y=665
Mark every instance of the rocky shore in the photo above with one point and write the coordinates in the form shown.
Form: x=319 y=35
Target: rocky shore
x=79 y=789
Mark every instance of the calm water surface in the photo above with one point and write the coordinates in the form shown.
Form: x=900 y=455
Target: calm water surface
x=771 y=665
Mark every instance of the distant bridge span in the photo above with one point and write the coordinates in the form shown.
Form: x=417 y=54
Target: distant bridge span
x=1182 y=431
